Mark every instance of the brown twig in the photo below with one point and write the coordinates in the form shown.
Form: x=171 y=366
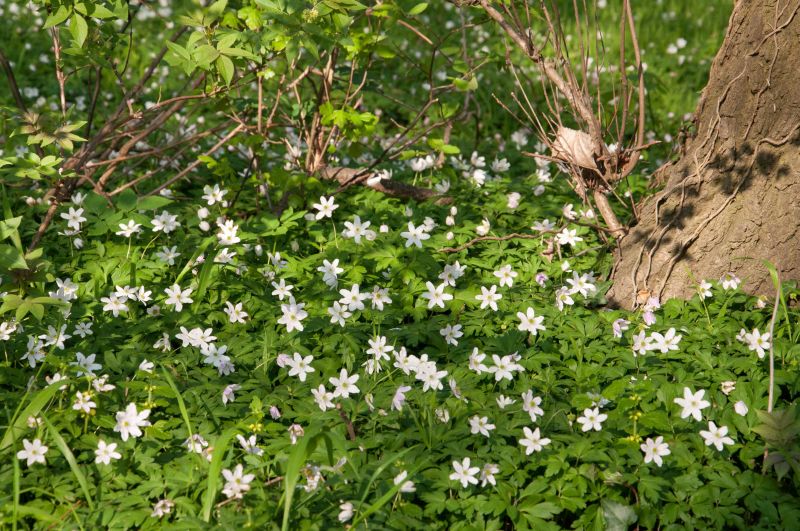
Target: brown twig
x=235 y=131
x=12 y=82
x=62 y=80
x=351 y=431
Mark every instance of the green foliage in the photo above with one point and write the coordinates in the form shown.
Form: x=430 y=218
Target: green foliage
x=373 y=459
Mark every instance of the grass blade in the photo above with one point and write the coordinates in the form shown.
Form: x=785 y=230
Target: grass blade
x=18 y=424
x=214 y=471
x=179 y=398
x=73 y=465
x=293 y=465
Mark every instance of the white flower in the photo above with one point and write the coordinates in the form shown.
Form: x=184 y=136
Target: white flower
x=282 y=290
x=213 y=195
x=106 y=452
x=619 y=326
x=530 y=404
x=484 y=228
x=83 y=329
x=379 y=297
x=6 y=329
x=85 y=364
x=704 y=289
x=451 y=273
x=487 y=474
x=235 y=312
x=74 y=218
x=249 y=445
x=114 y=305
x=421 y=164
x=533 y=441
x=592 y=419
x=583 y=284
x=506 y=275
x=405 y=485
x=716 y=436
x=33 y=451
x=641 y=344
x=228 y=393
x=415 y=235
x=177 y=297
x=399 y=397
x=480 y=425
x=293 y=315
x=464 y=473
x=451 y=334
x=295 y=432
x=543 y=226
x=568 y=237
x=500 y=165
x=504 y=367
x=83 y=402
x=129 y=229
x=729 y=281
x=130 y=421
x=489 y=297
x=666 y=342
x=563 y=298
x=300 y=366
x=162 y=507
x=237 y=482
x=344 y=385
x=654 y=450
x=356 y=229
x=330 y=272
x=55 y=337
x=353 y=298
x=436 y=295
x=529 y=322
x=692 y=403
x=325 y=207
x=165 y=222
x=323 y=398
x=227 y=233
x=757 y=341
x=476 y=361
x=504 y=401
x=741 y=408
x=346 y=512
x=727 y=387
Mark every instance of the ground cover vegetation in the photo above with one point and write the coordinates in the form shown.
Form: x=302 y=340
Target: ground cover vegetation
x=283 y=264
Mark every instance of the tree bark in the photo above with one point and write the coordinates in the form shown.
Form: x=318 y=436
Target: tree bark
x=732 y=198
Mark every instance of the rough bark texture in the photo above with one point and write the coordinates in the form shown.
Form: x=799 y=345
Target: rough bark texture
x=732 y=199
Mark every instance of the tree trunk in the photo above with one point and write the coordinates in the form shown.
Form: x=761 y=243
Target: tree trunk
x=732 y=199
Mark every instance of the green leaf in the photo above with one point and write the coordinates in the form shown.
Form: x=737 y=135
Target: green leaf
x=126 y=200
x=543 y=510
x=179 y=50
x=153 y=202
x=466 y=85
x=419 y=8
x=58 y=16
x=79 y=29
x=11 y=258
x=225 y=68
x=205 y=55
x=618 y=517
